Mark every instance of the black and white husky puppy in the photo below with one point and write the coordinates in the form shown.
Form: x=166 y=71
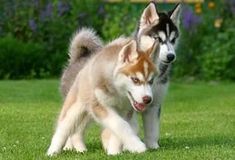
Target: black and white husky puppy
x=163 y=27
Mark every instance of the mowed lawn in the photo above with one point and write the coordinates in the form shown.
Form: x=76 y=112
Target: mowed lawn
x=198 y=122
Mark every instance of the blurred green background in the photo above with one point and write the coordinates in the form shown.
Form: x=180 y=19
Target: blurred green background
x=34 y=35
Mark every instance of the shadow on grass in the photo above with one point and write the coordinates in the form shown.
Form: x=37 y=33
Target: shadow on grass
x=92 y=147
x=181 y=142
x=95 y=150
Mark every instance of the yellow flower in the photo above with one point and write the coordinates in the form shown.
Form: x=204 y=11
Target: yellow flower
x=198 y=8
x=198 y=5
x=218 y=22
x=211 y=5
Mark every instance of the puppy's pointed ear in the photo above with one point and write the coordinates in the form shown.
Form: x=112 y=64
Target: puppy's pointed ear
x=175 y=14
x=149 y=15
x=128 y=53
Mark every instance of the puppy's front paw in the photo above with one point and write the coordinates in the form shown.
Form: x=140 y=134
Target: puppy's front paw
x=52 y=152
x=113 y=151
x=152 y=145
x=80 y=149
x=68 y=146
x=135 y=146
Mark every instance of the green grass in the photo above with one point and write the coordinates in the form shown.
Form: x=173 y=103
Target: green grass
x=198 y=122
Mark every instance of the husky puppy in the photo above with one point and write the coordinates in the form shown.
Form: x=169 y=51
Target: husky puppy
x=116 y=76
x=162 y=28
x=153 y=26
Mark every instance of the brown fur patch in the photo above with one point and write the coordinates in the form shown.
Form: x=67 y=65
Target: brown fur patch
x=99 y=111
x=138 y=66
x=105 y=136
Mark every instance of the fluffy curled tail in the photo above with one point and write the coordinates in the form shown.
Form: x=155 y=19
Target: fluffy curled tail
x=83 y=43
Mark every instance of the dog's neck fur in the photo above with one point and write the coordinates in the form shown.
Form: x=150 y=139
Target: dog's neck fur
x=164 y=73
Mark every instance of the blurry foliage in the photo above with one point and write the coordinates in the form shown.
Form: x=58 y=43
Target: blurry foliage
x=217 y=60
x=121 y=19
x=22 y=60
x=206 y=48
x=35 y=35
x=48 y=24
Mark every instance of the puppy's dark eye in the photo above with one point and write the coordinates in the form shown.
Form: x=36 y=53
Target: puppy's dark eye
x=173 y=40
x=151 y=81
x=159 y=39
x=135 y=80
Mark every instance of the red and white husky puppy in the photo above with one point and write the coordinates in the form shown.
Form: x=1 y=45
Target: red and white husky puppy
x=153 y=26
x=116 y=80
x=162 y=28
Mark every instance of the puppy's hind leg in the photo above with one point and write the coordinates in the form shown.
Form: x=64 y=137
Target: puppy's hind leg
x=77 y=138
x=65 y=127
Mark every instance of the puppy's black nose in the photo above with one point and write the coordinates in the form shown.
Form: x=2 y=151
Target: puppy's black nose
x=147 y=99
x=170 y=57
